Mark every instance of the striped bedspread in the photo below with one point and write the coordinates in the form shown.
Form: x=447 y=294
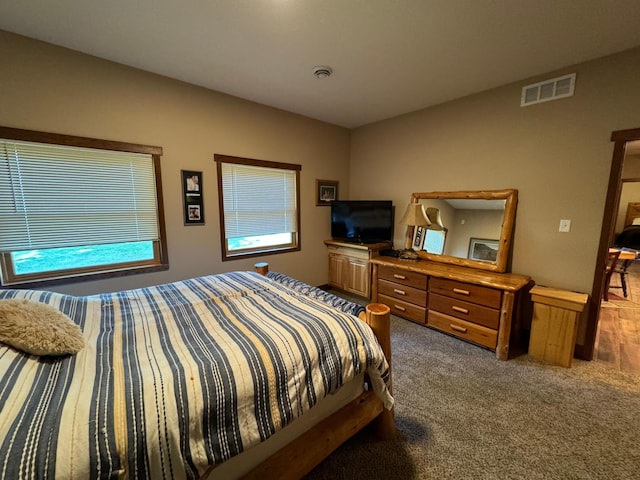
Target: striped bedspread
x=175 y=378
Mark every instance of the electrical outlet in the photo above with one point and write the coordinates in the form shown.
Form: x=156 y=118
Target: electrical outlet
x=565 y=226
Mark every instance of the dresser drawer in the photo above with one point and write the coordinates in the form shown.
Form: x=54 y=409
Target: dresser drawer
x=488 y=317
x=403 y=292
x=349 y=252
x=404 y=309
x=486 y=296
x=471 y=332
x=405 y=277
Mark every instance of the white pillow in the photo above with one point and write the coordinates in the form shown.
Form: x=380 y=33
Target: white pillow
x=38 y=328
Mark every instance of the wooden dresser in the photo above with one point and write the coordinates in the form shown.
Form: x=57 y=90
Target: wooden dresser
x=478 y=306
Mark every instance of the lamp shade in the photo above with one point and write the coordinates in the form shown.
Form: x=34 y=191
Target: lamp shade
x=433 y=214
x=415 y=216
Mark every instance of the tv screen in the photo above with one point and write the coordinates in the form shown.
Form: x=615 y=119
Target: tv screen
x=362 y=221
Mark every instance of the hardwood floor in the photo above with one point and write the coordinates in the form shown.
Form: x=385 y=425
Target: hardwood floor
x=618 y=336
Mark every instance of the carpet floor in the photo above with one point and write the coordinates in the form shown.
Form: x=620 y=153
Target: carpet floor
x=463 y=414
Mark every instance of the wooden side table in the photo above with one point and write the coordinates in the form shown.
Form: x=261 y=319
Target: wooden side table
x=554 y=325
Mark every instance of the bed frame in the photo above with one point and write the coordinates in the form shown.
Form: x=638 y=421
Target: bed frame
x=300 y=456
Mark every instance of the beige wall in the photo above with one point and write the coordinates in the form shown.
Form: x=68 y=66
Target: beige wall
x=56 y=90
x=631 y=167
x=630 y=188
x=630 y=193
x=557 y=154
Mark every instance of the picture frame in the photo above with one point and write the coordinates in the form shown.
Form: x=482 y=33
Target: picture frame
x=192 y=196
x=483 y=249
x=419 y=235
x=326 y=192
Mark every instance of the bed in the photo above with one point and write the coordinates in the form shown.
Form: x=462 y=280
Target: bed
x=183 y=379
x=629 y=237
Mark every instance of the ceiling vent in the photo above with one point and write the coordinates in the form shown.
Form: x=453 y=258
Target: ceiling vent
x=548 y=90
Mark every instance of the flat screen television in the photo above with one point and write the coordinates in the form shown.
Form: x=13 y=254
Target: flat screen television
x=362 y=221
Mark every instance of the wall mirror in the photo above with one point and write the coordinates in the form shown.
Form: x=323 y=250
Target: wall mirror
x=468 y=228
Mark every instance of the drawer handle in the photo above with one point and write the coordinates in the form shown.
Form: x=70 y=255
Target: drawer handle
x=461 y=291
x=399 y=292
x=458 y=329
x=398 y=307
x=399 y=277
x=460 y=309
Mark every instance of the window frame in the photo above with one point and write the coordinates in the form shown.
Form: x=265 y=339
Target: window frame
x=260 y=251
x=56 y=277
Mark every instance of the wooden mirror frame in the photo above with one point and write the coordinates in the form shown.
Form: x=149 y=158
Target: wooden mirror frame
x=511 y=200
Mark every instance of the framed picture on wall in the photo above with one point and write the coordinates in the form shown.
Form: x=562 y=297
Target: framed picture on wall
x=192 y=197
x=483 y=249
x=326 y=192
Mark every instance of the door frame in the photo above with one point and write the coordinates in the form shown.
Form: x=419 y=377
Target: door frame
x=612 y=203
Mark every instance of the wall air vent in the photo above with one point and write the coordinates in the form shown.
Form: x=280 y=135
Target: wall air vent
x=548 y=90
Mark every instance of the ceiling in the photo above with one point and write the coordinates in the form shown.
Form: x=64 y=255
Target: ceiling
x=389 y=57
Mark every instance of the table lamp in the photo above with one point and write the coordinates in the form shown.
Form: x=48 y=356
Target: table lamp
x=414 y=216
x=433 y=214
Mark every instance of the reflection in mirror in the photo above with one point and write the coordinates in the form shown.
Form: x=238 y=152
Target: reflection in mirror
x=434 y=241
x=432 y=237
x=466 y=219
x=471 y=228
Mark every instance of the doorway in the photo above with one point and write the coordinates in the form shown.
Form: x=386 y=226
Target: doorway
x=626 y=142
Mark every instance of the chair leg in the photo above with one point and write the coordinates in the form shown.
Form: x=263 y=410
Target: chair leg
x=623 y=281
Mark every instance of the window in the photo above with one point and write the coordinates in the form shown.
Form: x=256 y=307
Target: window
x=72 y=208
x=434 y=241
x=259 y=206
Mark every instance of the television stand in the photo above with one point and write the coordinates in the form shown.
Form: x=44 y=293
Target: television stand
x=350 y=265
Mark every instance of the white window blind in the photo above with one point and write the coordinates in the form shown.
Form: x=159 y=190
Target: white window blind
x=258 y=200
x=60 y=196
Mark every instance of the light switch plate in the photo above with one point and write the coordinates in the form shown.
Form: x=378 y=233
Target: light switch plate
x=565 y=226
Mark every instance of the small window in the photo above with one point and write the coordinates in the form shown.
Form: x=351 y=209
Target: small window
x=259 y=206
x=434 y=241
x=72 y=208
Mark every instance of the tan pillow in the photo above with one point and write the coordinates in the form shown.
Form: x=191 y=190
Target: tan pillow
x=38 y=328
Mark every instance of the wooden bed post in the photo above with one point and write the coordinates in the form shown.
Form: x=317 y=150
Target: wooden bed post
x=261 y=267
x=377 y=316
